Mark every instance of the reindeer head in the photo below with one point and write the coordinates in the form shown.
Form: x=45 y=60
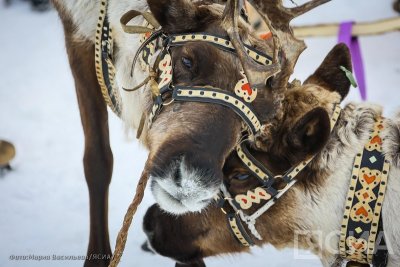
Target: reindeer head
x=302 y=131
x=190 y=141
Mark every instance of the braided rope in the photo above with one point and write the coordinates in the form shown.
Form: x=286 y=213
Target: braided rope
x=123 y=233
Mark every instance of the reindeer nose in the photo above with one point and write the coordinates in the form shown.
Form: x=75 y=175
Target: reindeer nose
x=184 y=182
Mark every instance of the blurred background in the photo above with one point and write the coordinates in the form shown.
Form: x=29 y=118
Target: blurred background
x=44 y=206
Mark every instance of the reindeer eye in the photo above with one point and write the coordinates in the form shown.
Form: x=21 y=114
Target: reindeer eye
x=187 y=62
x=241 y=176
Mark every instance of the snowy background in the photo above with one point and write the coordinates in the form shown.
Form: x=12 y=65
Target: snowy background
x=44 y=201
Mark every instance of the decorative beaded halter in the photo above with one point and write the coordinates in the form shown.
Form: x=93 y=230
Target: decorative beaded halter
x=160 y=74
x=361 y=230
x=266 y=192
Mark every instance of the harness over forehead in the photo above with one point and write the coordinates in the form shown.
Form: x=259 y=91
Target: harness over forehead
x=160 y=78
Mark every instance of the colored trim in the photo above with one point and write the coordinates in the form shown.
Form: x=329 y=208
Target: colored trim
x=218 y=96
x=237 y=229
x=360 y=225
x=221 y=42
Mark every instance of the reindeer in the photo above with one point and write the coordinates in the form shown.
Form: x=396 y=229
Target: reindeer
x=186 y=170
x=188 y=143
x=311 y=212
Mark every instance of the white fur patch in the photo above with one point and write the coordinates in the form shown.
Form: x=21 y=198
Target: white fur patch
x=190 y=195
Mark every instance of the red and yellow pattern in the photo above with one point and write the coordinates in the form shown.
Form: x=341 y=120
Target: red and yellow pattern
x=364 y=200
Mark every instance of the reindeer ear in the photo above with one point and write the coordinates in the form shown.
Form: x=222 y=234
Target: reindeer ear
x=329 y=75
x=177 y=16
x=311 y=132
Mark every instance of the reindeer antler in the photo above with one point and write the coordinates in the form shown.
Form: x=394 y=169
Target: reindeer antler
x=277 y=17
x=257 y=74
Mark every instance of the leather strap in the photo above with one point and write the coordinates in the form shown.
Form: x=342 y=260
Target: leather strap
x=218 y=96
x=364 y=200
x=254 y=166
x=266 y=190
x=221 y=42
x=237 y=229
x=105 y=71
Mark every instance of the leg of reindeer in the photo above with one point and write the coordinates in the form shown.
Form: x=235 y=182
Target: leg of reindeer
x=98 y=159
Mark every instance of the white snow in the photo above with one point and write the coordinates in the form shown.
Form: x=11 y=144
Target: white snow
x=44 y=201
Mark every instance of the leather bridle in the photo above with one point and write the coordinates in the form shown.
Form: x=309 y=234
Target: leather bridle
x=164 y=92
x=266 y=191
x=160 y=79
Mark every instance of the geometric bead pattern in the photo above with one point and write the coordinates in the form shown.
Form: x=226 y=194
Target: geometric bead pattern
x=238 y=231
x=364 y=200
x=165 y=67
x=244 y=90
x=246 y=201
x=214 y=95
x=221 y=42
x=362 y=211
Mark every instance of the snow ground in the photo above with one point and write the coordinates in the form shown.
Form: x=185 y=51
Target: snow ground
x=44 y=202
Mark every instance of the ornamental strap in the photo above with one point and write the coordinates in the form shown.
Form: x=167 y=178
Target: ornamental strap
x=220 y=42
x=254 y=166
x=237 y=229
x=264 y=194
x=105 y=70
x=266 y=177
x=218 y=96
x=360 y=226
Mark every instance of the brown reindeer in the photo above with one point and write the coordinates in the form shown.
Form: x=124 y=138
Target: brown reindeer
x=311 y=212
x=188 y=142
